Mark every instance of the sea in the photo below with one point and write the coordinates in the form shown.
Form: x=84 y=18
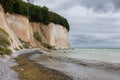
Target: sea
x=83 y=63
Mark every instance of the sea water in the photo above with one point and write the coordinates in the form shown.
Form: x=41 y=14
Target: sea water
x=84 y=64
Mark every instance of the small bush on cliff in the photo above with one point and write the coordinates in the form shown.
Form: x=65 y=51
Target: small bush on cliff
x=4 y=50
x=39 y=39
x=3 y=31
x=25 y=44
x=16 y=49
x=37 y=13
x=20 y=47
x=47 y=45
x=4 y=42
x=37 y=36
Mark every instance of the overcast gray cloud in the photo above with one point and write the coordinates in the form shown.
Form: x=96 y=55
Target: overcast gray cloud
x=97 y=5
x=94 y=23
x=101 y=5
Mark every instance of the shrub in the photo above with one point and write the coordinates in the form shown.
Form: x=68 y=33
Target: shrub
x=26 y=45
x=4 y=42
x=16 y=49
x=4 y=51
x=20 y=47
x=47 y=45
x=2 y=30
x=37 y=36
x=39 y=39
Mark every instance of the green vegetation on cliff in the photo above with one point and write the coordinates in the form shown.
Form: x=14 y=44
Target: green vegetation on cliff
x=36 y=13
x=4 y=43
x=25 y=44
x=39 y=39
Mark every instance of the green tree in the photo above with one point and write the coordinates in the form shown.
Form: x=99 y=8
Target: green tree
x=45 y=14
x=7 y=5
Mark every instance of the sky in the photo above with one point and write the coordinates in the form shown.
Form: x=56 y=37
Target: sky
x=93 y=23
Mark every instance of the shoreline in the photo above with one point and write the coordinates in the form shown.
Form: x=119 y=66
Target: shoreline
x=79 y=68
x=33 y=67
x=38 y=71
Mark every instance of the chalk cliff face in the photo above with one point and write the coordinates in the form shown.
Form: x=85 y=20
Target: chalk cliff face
x=20 y=29
x=55 y=35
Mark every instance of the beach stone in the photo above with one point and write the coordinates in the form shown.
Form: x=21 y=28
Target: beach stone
x=6 y=73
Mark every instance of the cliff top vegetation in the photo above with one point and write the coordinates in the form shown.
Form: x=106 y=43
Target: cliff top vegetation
x=33 y=12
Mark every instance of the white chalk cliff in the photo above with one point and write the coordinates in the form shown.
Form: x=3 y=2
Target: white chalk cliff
x=18 y=27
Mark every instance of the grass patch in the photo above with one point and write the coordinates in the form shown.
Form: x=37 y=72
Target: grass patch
x=47 y=45
x=4 y=51
x=28 y=70
x=25 y=44
x=4 y=43
x=37 y=36
x=2 y=30
x=20 y=47
x=16 y=49
x=39 y=39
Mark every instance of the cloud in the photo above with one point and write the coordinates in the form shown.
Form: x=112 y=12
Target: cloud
x=101 y=5
x=96 y=5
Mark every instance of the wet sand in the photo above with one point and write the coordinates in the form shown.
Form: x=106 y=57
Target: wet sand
x=29 y=70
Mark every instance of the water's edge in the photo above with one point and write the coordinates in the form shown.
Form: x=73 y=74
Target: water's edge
x=79 y=69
